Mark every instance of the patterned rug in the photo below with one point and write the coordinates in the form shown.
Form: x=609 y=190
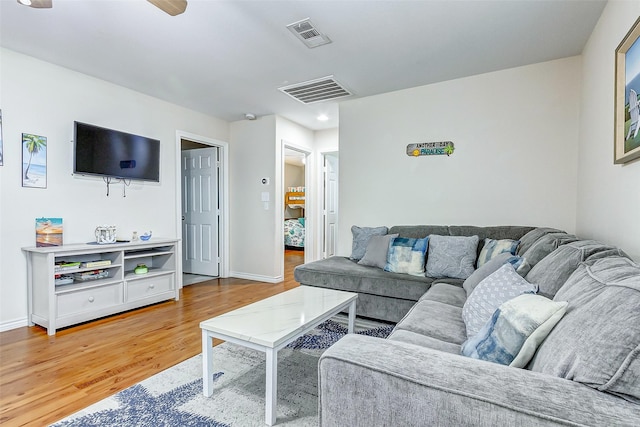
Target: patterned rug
x=174 y=396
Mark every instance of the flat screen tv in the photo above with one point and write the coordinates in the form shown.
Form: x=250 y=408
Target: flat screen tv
x=111 y=153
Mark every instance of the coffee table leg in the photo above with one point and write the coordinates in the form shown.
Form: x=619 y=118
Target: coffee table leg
x=352 y=316
x=271 y=397
x=207 y=364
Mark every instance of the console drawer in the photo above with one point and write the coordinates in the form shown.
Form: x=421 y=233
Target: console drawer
x=143 y=288
x=89 y=299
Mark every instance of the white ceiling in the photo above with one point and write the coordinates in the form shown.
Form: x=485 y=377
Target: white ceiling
x=226 y=58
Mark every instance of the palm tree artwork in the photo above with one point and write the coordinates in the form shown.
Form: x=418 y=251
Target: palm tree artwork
x=35 y=168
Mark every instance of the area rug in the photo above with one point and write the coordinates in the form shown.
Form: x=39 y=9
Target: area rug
x=174 y=396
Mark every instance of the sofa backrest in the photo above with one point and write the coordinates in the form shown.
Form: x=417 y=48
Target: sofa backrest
x=597 y=342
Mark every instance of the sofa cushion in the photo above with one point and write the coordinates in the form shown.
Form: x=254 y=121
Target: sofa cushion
x=519 y=263
x=493 y=248
x=515 y=330
x=499 y=287
x=406 y=255
x=451 y=256
x=527 y=240
x=545 y=245
x=445 y=293
x=554 y=269
x=415 y=338
x=344 y=274
x=597 y=343
x=361 y=236
x=436 y=320
x=377 y=250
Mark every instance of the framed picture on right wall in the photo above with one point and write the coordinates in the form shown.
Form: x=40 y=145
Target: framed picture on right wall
x=627 y=97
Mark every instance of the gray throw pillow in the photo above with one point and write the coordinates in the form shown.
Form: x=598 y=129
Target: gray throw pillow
x=361 y=236
x=377 y=249
x=491 y=266
x=501 y=286
x=451 y=256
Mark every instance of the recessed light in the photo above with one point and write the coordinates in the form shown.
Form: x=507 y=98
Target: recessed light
x=25 y=2
x=323 y=117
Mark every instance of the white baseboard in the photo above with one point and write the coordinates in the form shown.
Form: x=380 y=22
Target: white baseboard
x=13 y=324
x=256 y=277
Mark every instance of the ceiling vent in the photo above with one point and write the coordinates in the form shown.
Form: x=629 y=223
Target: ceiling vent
x=308 y=34
x=318 y=90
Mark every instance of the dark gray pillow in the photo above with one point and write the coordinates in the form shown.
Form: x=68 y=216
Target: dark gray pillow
x=361 y=236
x=451 y=256
x=377 y=249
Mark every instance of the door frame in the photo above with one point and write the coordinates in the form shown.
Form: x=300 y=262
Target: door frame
x=223 y=194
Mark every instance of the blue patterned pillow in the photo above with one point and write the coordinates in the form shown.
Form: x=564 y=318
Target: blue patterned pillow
x=516 y=329
x=494 y=247
x=407 y=256
x=499 y=287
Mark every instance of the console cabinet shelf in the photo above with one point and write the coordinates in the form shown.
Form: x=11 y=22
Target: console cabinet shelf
x=84 y=291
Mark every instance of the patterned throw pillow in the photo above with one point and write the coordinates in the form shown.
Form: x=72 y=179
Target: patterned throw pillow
x=499 y=287
x=407 y=256
x=520 y=264
x=452 y=256
x=493 y=247
x=516 y=329
x=361 y=236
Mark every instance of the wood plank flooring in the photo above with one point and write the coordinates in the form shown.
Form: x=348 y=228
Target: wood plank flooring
x=44 y=379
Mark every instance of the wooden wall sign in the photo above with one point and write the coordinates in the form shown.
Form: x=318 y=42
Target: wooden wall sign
x=430 y=148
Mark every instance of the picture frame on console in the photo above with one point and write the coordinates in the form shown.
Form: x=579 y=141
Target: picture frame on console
x=627 y=87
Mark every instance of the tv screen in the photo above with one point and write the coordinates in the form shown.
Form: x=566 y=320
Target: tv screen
x=106 y=152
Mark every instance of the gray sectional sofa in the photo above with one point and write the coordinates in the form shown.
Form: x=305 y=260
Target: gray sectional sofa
x=585 y=372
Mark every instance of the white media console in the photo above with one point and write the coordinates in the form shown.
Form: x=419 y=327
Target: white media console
x=81 y=296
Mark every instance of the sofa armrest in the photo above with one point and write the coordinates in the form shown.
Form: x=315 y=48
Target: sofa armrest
x=366 y=381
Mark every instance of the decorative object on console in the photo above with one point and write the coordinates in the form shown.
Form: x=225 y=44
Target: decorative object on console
x=627 y=138
x=105 y=234
x=48 y=232
x=417 y=149
x=34 y=161
x=146 y=236
x=141 y=269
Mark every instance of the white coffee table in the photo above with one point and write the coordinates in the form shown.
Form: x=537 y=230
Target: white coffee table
x=270 y=325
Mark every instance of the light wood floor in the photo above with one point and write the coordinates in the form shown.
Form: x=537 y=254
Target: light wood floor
x=44 y=379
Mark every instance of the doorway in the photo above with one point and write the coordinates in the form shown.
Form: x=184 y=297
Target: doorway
x=296 y=226
x=202 y=184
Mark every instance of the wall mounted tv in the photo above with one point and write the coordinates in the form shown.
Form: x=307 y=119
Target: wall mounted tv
x=111 y=153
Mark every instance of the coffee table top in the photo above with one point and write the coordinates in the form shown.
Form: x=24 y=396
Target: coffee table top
x=273 y=320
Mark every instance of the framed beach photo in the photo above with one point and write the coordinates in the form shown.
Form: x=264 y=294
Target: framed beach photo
x=627 y=100
x=34 y=161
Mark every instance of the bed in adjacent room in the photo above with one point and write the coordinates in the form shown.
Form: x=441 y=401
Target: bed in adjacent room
x=294 y=233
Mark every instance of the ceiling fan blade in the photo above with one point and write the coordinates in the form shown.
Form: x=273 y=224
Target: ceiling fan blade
x=37 y=4
x=172 y=7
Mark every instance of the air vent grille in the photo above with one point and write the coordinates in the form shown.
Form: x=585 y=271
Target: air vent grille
x=322 y=89
x=308 y=33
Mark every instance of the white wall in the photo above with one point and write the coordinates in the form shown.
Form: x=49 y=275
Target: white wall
x=608 y=195
x=44 y=99
x=515 y=133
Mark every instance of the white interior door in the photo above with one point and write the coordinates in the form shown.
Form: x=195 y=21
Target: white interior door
x=330 y=203
x=200 y=211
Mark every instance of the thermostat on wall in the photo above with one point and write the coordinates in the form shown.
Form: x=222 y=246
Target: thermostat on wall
x=265 y=181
